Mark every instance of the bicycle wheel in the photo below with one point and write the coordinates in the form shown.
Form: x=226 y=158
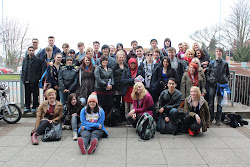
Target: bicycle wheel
x=15 y=116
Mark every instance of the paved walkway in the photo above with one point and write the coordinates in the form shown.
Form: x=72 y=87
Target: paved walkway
x=219 y=146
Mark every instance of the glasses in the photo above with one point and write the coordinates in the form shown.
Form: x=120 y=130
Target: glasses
x=31 y=50
x=34 y=42
x=150 y=54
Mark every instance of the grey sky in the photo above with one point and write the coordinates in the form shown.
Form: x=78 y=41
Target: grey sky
x=113 y=21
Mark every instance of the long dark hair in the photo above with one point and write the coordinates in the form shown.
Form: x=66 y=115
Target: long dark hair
x=96 y=109
x=169 y=63
x=84 y=65
x=78 y=106
x=203 y=55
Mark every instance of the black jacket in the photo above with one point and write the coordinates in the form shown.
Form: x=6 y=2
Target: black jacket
x=117 y=73
x=167 y=102
x=36 y=69
x=102 y=78
x=68 y=78
x=52 y=75
x=126 y=80
x=218 y=72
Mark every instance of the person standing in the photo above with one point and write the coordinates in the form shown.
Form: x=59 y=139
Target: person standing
x=51 y=41
x=38 y=50
x=31 y=74
x=217 y=73
x=97 y=53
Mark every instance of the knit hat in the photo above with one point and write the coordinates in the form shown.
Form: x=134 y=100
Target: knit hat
x=92 y=97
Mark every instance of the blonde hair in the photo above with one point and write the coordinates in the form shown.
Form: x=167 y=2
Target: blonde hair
x=88 y=49
x=48 y=48
x=195 y=59
x=120 y=53
x=187 y=51
x=194 y=44
x=135 y=95
x=197 y=89
x=50 y=90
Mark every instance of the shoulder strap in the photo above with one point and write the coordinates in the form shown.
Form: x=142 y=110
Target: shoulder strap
x=80 y=77
x=43 y=74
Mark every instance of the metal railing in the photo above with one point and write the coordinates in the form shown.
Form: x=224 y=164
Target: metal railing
x=239 y=85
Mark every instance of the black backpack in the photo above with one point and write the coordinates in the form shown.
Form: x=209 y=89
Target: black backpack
x=113 y=117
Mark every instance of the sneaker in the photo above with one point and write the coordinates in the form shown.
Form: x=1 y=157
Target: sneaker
x=92 y=146
x=75 y=136
x=33 y=110
x=128 y=124
x=63 y=127
x=26 y=110
x=81 y=145
x=191 y=133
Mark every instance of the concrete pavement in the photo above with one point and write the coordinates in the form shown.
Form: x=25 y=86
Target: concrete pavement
x=219 y=146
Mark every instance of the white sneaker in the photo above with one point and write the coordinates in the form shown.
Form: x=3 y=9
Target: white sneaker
x=75 y=136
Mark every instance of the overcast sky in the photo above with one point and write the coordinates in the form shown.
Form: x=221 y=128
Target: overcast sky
x=113 y=21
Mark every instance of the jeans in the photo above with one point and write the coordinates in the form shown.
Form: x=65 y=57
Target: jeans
x=173 y=118
x=74 y=123
x=63 y=97
x=192 y=123
x=83 y=101
x=90 y=135
x=42 y=126
x=28 y=90
x=212 y=93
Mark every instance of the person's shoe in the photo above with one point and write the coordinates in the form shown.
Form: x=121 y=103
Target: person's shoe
x=75 y=136
x=218 y=123
x=92 y=146
x=81 y=145
x=34 y=139
x=128 y=124
x=174 y=132
x=63 y=127
x=198 y=131
x=26 y=110
x=191 y=133
x=33 y=111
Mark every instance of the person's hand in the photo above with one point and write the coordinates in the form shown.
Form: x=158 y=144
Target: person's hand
x=65 y=91
x=82 y=128
x=75 y=114
x=203 y=94
x=198 y=119
x=56 y=87
x=204 y=69
x=131 y=113
x=50 y=121
x=100 y=126
x=161 y=110
x=166 y=119
x=134 y=116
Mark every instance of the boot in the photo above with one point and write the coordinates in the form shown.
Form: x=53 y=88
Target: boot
x=34 y=139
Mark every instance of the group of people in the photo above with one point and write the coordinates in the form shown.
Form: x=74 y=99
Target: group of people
x=84 y=87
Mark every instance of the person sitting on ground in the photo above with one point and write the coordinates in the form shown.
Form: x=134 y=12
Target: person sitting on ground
x=142 y=102
x=169 y=101
x=92 y=125
x=73 y=113
x=197 y=111
x=50 y=111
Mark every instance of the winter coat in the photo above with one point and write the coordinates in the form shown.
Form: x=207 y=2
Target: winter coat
x=102 y=77
x=68 y=78
x=126 y=80
x=186 y=84
x=86 y=82
x=218 y=72
x=93 y=126
x=35 y=70
x=168 y=102
x=52 y=75
x=203 y=109
x=117 y=73
x=141 y=68
x=42 y=110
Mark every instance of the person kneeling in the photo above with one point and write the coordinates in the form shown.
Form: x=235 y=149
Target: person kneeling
x=92 y=128
x=169 y=101
x=142 y=102
x=196 y=108
x=49 y=112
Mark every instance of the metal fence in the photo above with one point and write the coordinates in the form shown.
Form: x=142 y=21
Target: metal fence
x=239 y=85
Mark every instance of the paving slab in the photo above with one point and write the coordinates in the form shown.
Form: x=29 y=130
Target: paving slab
x=107 y=156
x=145 y=157
x=8 y=153
x=22 y=164
x=237 y=142
x=176 y=143
x=20 y=131
x=138 y=144
x=183 y=157
x=243 y=154
x=136 y=165
x=207 y=142
x=112 y=143
x=227 y=132
x=117 y=132
x=49 y=144
x=220 y=156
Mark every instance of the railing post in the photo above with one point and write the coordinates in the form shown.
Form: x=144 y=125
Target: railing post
x=233 y=89
x=21 y=93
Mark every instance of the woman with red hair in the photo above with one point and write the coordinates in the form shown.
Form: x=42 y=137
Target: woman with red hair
x=86 y=79
x=192 y=78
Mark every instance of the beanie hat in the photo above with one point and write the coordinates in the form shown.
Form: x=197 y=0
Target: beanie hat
x=92 y=97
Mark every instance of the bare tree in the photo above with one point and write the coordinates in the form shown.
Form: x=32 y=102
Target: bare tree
x=15 y=38
x=237 y=25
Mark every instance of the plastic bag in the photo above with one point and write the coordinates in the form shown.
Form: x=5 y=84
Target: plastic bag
x=224 y=100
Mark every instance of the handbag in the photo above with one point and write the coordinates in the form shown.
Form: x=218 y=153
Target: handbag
x=53 y=133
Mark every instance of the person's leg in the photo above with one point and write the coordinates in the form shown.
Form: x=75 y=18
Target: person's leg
x=74 y=123
x=35 y=91
x=188 y=120
x=95 y=136
x=108 y=103
x=41 y=128
x=27 y=95
x=195 y=126
x=83 y=101
x=173 y=118
x=85 y=134
x=219 y=108
x=62 y=97
x=212 y=92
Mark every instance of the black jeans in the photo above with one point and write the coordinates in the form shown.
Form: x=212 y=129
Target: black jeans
x=192 y=123
x=212 y=93
x=43 y=125
x=106 y=102
x=28 y=90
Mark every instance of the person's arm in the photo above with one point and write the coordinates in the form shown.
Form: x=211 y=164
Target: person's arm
x=76 y=79
x=183 y=86
x=60 y=80
x=176 y=104
x=98 y=78
x=146 y=104
x=125 y=80
x=59 y=117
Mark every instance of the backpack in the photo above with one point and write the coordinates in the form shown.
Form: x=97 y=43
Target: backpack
x=146 y=126
x=113 y=117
